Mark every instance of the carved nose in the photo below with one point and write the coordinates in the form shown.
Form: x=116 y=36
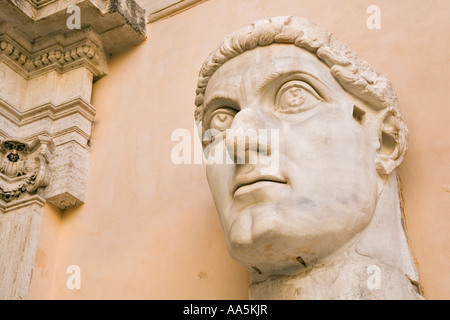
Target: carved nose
x=246 y=140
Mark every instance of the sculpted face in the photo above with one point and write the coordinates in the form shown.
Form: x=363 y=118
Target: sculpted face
x=324 y=187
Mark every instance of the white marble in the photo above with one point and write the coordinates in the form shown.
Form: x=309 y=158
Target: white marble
x=325 y=214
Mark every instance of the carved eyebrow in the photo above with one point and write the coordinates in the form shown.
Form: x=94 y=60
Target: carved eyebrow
x=220 y=95
x=267 y=81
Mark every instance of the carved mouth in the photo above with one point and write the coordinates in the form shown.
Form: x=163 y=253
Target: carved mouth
x=12 y=157
x=256 y=181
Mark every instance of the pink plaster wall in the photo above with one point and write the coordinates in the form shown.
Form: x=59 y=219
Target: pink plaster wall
x=149 y=229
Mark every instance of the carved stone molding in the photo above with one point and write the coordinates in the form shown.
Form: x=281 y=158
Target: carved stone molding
x=48 y=72
x=46 y=119
x=60 y=52
x=40 y=3
x=158 y=10
x=120 y=24
x=77 y=111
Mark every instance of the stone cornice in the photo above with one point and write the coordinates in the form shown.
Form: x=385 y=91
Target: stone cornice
x=170 y=8
x=46 y=110
x=57 y=52
x=40 y=3
x=6 y=207
x=37 y=43
x=120 y=24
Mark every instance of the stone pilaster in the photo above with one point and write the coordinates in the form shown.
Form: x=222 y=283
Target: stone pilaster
x=46 y=116
x=19 y=233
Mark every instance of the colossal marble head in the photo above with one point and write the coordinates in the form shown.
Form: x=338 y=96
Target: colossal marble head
x=326 y=132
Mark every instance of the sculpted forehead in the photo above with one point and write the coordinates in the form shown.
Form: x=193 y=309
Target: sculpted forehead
x=245 y=74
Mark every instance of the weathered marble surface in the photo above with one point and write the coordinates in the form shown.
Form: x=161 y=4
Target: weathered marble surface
x=46 y=119
x=318 y=211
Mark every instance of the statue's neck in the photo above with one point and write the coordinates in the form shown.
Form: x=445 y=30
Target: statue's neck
x=347 y=276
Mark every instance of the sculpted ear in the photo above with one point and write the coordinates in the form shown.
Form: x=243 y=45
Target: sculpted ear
x=393 y=136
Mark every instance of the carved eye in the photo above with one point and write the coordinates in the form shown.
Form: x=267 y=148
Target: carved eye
x=221 y=119
x=9 y=146
x=296 y=96
x=20 y=147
